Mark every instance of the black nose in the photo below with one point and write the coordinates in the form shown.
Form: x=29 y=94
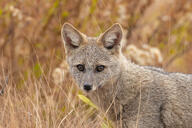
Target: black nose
x=87 y=87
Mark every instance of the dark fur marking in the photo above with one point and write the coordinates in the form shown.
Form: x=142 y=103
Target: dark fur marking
x=161 y=118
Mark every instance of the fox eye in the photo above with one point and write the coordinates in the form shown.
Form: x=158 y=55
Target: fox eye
x=81 y=67
x=100 y=68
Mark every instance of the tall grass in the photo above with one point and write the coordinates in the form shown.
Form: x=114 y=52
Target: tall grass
x=39 y=103
x=31 y=48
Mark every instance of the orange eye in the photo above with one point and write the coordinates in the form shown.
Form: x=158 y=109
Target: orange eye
x=100 y=68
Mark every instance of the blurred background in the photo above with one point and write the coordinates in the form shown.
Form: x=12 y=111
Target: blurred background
x=39 y=91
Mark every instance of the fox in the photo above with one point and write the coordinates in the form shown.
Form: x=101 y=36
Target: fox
x=132 y=96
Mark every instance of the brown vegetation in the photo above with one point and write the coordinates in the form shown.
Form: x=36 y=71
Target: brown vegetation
x=32 y=54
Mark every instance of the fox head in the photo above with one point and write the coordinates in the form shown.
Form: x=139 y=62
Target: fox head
x=93 y=61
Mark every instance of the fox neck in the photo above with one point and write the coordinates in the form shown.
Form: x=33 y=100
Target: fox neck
x=107 y=97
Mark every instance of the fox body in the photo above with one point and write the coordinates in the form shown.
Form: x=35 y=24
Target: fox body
x=131 y=95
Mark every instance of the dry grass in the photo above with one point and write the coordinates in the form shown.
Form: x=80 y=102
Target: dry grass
x=38 y=103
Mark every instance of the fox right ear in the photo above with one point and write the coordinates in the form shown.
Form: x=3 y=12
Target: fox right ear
x=71 y=37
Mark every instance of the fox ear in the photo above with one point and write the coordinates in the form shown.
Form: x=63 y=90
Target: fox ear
x=71 y=37
x=111 y=38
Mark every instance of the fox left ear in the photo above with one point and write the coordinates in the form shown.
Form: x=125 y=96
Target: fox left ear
x=111 y=39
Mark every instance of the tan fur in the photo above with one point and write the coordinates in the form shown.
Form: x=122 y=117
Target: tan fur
x=131 y=95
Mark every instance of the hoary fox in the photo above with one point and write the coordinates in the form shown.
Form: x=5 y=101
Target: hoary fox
x=131 y=95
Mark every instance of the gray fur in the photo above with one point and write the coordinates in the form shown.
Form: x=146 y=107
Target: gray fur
x=131 y=95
